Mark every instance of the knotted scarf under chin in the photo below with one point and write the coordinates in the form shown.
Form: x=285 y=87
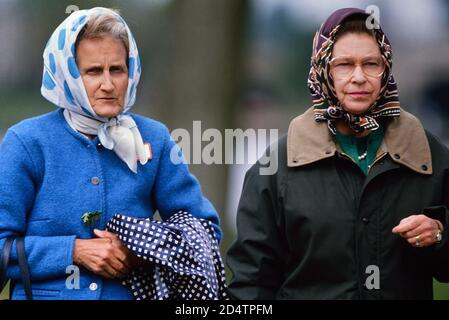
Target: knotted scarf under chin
x=120 y=134
x=358 y=123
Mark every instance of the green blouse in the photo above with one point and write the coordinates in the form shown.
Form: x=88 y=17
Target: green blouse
x=361 y=150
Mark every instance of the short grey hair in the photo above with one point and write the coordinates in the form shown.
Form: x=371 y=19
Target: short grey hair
x=104 y=25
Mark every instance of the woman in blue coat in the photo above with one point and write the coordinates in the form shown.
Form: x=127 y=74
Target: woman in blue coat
x=64 y=174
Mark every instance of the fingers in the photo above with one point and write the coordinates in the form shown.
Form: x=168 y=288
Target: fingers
x=105 y=234
x=124 y=259
x=407 y=224
x=109 y=266
x=120 y=261
x=418 y=230
x=102 y=257
x=117 y=269
x=123 y=253
x=424 y=239
x=110 y=272
x=414 y=232
x=99 y=233
x=127 y=261
x=115 y=261
x=113 y=237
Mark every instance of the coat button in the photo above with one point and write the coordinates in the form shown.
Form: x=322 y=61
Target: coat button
x=424 y=167
x=93 y=286
x=396 y=156
x=365 y=220
x=95 y=180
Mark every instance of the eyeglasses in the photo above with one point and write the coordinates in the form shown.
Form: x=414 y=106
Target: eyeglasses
x=344 y=67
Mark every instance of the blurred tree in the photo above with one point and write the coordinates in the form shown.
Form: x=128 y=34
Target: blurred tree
x=201 y=79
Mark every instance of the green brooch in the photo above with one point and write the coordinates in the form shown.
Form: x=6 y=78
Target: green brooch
x=91 y=218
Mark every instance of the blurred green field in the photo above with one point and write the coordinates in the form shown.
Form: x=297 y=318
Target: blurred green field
x=440 y=290
x=4 y=293
x=19 y=106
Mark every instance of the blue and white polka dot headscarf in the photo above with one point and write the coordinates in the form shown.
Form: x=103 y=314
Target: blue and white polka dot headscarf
x=63 y=86
x=62 y=83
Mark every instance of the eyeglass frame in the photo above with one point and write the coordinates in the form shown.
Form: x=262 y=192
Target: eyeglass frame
x=360 y=64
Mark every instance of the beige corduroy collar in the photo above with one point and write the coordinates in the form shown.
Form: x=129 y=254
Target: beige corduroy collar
x=405 y=141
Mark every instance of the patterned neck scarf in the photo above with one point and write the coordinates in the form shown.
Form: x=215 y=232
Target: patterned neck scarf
x=63 y=86
x=325 y=102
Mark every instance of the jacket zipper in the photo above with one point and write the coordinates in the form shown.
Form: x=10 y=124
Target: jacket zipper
x=360 y=280
x=356 y=255
x=348 y=157
x=375 y=160
x=380 y=156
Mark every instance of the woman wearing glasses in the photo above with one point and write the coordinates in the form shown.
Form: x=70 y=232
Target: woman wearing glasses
x=358 y=206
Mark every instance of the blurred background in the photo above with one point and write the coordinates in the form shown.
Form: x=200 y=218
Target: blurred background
x=230 y=64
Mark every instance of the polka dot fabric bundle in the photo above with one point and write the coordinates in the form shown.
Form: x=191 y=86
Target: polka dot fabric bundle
x=183 y=255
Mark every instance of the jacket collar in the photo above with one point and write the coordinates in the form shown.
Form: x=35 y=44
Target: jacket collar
x=405 y=141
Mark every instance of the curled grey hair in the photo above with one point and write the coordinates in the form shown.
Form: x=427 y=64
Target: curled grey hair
x=102 y=25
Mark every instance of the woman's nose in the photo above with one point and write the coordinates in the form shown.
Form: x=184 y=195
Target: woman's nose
x=358 y=75
x=106 y=82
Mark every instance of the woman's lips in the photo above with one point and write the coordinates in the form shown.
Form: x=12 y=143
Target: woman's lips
x=359 y=94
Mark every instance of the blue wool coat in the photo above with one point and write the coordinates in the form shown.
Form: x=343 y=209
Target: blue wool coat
x=50 y=175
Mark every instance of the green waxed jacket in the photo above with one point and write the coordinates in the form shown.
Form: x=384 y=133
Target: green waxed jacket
x=320 y=229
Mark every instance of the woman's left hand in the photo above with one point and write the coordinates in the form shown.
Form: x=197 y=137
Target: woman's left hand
x=419 y=230
x=132 y=260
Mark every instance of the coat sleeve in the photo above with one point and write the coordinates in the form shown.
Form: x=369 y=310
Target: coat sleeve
x=439 y=258
x=439 y=254
x=177 y=189
x=257 y=257
x=47 y=256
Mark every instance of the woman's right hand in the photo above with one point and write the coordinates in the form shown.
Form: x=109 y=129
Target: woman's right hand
x=105 y=256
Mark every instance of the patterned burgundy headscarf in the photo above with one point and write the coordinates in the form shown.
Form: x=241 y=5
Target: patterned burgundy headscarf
x=325 y=101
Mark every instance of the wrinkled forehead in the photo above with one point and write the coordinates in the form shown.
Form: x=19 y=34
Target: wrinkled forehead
x=357 y=45
x=101 y=51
